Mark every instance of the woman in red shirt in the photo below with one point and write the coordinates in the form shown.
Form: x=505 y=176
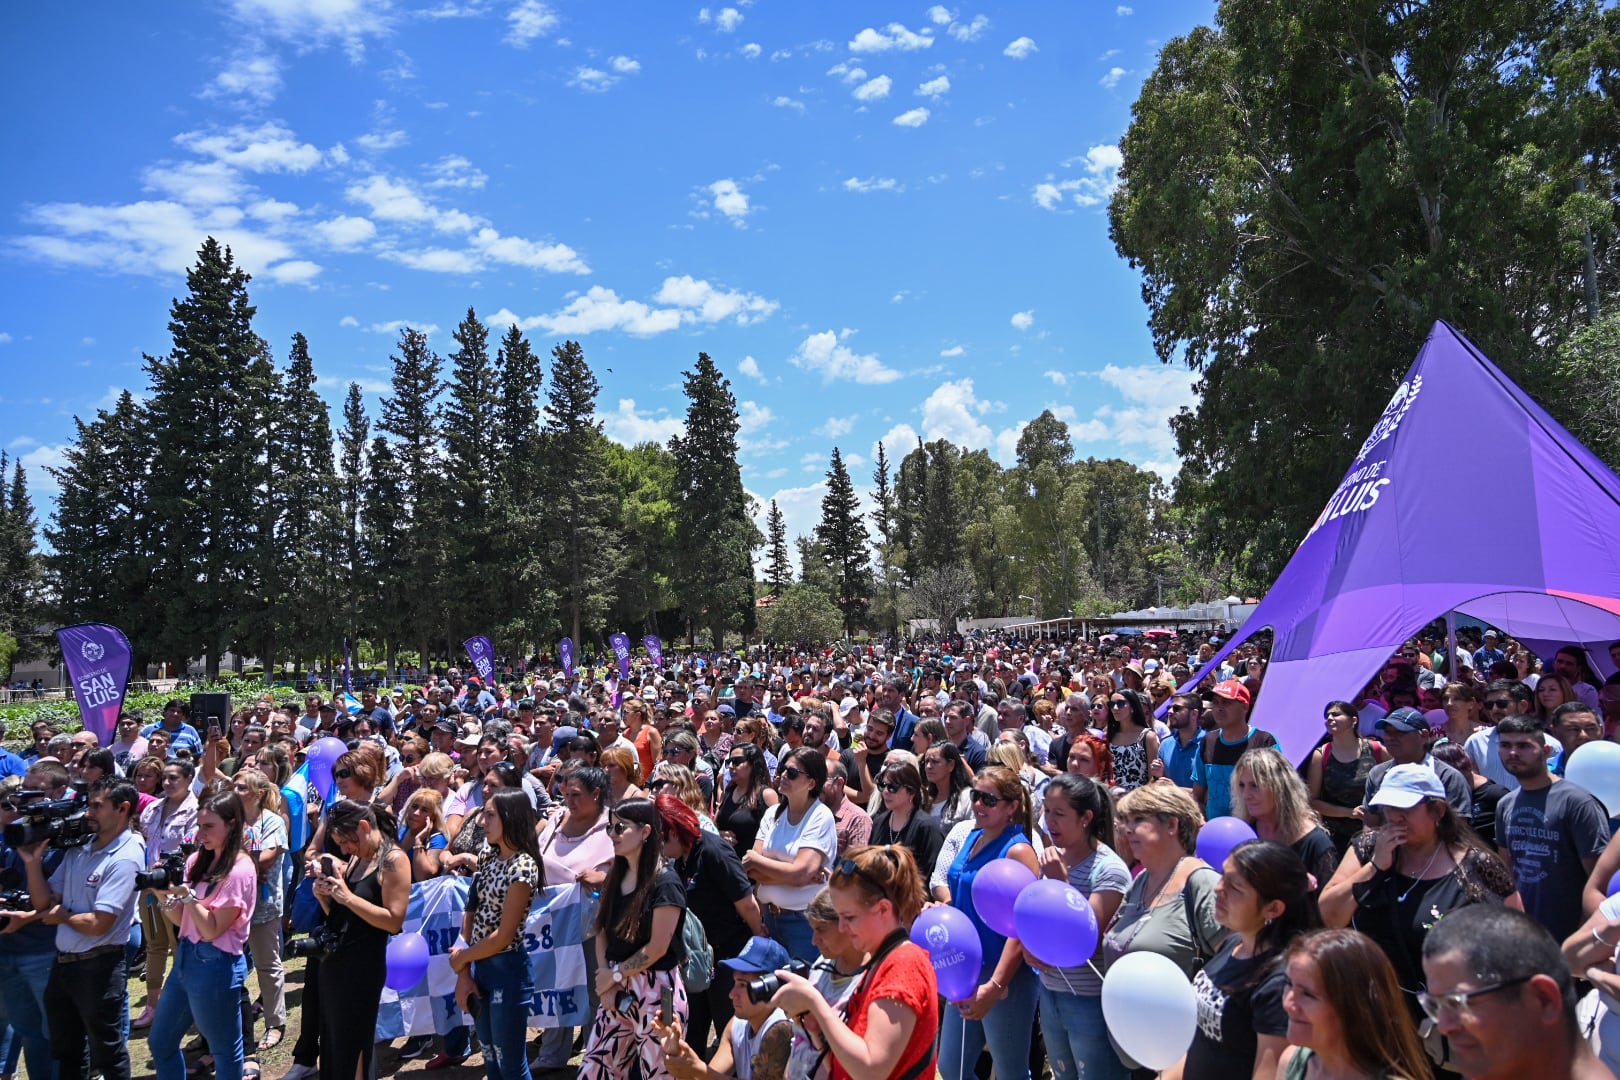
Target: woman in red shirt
x=886 y=1030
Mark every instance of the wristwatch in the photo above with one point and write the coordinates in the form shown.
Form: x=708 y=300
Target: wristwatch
x=618 y=973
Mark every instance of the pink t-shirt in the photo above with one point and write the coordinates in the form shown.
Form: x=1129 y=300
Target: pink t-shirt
x=240 y=889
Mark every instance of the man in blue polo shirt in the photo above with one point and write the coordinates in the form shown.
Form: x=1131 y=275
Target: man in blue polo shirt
x=182 y=736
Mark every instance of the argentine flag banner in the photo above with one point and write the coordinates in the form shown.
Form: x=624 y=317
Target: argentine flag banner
x=555 y=937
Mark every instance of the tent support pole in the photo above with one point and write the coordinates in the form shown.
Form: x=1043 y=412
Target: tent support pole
x=1453 y=667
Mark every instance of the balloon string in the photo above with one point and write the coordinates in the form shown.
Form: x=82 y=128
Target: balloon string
x=1092 y=964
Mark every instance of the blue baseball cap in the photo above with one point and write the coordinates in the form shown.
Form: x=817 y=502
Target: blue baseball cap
x=759 y=955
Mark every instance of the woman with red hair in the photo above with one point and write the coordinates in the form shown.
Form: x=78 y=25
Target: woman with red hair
x=721 y=897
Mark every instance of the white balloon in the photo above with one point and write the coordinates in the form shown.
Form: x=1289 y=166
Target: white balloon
x=1150 y=1008
x=1595 y=766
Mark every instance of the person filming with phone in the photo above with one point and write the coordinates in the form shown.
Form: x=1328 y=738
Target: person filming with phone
x=493 y=980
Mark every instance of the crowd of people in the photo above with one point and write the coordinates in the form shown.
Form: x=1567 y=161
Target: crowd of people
x=1426 y=894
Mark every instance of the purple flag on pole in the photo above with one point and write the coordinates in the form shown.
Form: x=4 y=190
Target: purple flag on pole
x=565 y=656
x=655 y=649
x=621 y=650
x=97 y=658
x=348 y=675
x=1378 y=565
x=482 y=654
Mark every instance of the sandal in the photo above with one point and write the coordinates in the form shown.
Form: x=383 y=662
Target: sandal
x=250 y=1069
x=272 y=1038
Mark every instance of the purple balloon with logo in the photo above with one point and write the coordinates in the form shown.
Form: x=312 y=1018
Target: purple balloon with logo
x=1056 y=924
x=321 y=757
x=1219 y=836
x=407 y=961
x=952 y=944
x=995 y=889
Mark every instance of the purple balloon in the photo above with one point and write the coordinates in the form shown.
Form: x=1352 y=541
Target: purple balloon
x=407 y=959
x=952 y=943
x=1055 y=923
x=1614 y=884
x=321 y=757
x=995 y=888
x=1219 y=836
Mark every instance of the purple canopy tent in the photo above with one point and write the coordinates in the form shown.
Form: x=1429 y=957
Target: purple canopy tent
x=1393 y=549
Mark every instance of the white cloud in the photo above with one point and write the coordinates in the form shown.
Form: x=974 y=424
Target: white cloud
x=754 y=424
x=1020 y=48
x=952 y=412
x=270 y=147
x=273 y=210
x=197 y=183
x=516 y=251
x=628 y=425
x=824 y=354
x=1122 y=10
x=1102 y=165
x=939 y=15
x=455 y=171
x=317 y=22
x=750 y=367
x=529 y=20
x=800 y=507
x=836 y=427
x=1111 y=80
x=36 y=462
x=5 y=338
x=293 y=272
x=1023 y=320
x=875 y=90
x=708 y=304
x=436 y=260
x=254 y=77
x=898 y=441
x=391 y=200
x=592 y=80
x=730 y=200
x=913 y=118
x=686 y=301
x=394 y=326
x=782 y=101
x=847 y=73
x=725 y=20
x=954 y=350
x=970 y=31
x=934 y=88
x=376 y=142
x=874 y=183
x=348 y=320
x=624 y=65
x=892 y=37
x=1139 y=429
x=1056 y=376
x=751 y=50
x=149 y=237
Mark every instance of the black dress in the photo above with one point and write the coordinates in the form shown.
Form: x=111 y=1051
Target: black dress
x=922 y=834
x=742 y=822
x=351 y=985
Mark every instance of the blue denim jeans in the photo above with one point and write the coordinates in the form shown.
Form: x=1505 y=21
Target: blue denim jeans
x=205 y=989
x=792 y=929
x=22 y=997
x=1077 y=1038
x=1006 y=1027
x=506 y=984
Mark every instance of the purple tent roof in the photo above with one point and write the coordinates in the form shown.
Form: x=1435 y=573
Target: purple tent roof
x=1398 y=546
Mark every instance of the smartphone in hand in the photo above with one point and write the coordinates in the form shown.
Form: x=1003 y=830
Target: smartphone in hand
x=666 y=1006
x=328 y=866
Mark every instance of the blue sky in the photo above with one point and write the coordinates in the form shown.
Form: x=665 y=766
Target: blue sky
x=881 y=220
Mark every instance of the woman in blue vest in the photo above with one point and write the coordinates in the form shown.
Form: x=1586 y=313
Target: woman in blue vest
x=1000 y=1011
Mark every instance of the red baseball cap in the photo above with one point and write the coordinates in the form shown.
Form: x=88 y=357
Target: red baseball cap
x=1233 y=690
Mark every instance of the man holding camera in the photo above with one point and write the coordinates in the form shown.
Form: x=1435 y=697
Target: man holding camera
x=27 y=945
x=756 y=1042
x=90 y=899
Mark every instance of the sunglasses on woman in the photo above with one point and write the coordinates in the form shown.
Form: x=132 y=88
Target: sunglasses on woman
x=849 y=868
x=732 y=763
x=619 y=828
x=989 y=800
x=892 y=788
x=792 y=773
x=342 y=774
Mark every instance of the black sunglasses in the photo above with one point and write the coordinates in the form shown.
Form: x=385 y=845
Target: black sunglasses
x=671 y=751
x=892 y=788
x=619 y=828
x=792 y=772
x=342 y=774
x=988 y=799
x=736 y=761
x=1120 y=703
x=849 y=868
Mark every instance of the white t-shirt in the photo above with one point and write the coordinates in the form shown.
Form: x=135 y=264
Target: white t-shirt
x=781 y=839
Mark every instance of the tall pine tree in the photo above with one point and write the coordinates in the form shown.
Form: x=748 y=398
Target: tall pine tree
x=778 y=571
x=522 y=614
x=351 y=499
x=413 y=415
x=19 y=561
x=211 y=399
x=582 y=550
x=469 y=525
x=845 y=544
x=714 y=566
x=885 y=516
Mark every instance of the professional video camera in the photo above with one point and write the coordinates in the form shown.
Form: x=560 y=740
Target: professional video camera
x=764 y=988
x=169 y=873
x=60 y=821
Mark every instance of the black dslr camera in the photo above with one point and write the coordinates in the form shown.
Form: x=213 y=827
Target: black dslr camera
x=60 y=821
x=764 y=988
x=319 y=945
x=169 y=873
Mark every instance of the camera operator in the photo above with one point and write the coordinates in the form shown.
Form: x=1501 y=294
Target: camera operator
x=27 y=945
x=754 y=1044
x=211 y=905
x=166 y=824
x=90 y=899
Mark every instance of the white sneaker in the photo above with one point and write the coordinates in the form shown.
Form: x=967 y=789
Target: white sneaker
x=301 y=1072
